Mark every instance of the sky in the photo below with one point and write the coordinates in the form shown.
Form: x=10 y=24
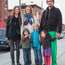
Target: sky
x=58 y=3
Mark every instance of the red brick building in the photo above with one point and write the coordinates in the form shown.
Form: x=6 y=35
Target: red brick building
x=3 y=9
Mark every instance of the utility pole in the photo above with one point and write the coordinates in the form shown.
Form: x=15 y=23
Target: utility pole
x=19 y=2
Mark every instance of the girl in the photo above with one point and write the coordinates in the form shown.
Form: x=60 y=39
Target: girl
x=45 y=40
x=36 y=45
x=26 y=45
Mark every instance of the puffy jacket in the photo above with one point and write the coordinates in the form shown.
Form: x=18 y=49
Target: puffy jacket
x=13 y=28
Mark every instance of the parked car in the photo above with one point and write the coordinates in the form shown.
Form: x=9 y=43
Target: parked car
x=3 y=40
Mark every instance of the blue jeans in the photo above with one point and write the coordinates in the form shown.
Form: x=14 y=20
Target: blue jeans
x=38 y=56
x=27 y=56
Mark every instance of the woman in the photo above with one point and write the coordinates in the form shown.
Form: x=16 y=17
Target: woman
x=28 y=18
x=13 y=34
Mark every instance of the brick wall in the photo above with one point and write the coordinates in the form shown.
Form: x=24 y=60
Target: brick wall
x=3 y=9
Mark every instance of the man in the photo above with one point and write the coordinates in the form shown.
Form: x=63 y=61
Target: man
x=51 y=22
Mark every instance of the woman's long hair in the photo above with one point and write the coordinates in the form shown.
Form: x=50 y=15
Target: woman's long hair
x=18 y=9
x=19 y=14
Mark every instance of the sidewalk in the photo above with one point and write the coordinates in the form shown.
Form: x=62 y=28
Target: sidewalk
x=5 y=58
x=61 y=52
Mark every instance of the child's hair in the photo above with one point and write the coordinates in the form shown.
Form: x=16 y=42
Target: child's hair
x=45 y=39
x=26 y=30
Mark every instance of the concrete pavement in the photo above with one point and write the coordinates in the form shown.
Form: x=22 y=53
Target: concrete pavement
x=5 y=57
x=61 y=52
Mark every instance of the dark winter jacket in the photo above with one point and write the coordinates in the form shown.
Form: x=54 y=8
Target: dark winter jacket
x=51 y=20
x=13 y=28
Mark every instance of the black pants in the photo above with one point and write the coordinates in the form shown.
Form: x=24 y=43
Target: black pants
x=16 y=43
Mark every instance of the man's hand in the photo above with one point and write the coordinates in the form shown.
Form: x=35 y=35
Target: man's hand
x=58 y=35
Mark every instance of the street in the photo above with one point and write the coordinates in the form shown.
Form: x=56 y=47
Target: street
x=5 y=56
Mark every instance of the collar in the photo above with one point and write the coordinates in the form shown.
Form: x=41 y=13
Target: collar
x=51 y=8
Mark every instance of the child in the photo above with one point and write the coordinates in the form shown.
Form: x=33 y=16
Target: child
x=36 y=45
x=46 y=41
x=26 y=45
